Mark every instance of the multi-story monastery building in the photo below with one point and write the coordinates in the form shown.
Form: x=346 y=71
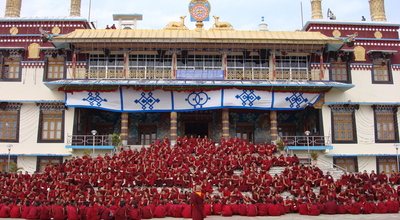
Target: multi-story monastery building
x=332 y=87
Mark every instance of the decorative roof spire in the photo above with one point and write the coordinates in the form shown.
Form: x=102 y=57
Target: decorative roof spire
x=75 y=8
x=13 y=8
x=377 y=9
x=316 y=7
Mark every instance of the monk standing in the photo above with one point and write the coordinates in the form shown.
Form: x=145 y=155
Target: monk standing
x=197 y=202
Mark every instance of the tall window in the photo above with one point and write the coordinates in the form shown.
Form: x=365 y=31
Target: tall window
x=245 y=131
x=43 y=162
x=340 y=71
x=147 y=134
x=55 y=68
x=150 y=66
x=292 y=67
x=51 y=126
x=381 y=71
x=102 y=66
x=387 y=164
x=199 y=62
x=347 y=163
x=385 y=124
x=4 y=163
x=343 y=124
x=9 y=125
x=249 y=66
x=11 y=68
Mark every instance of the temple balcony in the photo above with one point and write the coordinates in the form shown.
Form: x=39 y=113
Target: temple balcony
x=168 y=74
x=98 y=142
x=307 y=142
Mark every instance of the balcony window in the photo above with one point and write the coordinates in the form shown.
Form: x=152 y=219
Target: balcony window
x=292 y=67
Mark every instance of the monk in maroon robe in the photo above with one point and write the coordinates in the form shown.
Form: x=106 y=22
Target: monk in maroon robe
x=197 y=202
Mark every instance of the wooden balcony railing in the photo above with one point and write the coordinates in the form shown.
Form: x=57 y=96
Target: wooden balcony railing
x=168 y=74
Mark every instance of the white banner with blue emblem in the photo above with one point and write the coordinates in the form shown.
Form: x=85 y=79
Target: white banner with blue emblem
x=130 y=100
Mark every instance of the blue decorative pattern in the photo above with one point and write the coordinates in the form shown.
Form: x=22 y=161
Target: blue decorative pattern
x=94 y=99
x=248 y=96
x=197 y=99
x=147 y=101
x=296 y=100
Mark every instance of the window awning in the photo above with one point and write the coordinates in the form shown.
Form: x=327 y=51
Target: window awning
x=382 y=51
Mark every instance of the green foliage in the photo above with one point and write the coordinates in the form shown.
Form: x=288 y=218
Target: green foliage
x=116 y=139
x=14 y=167
x=314 y=155
x=280 y=144
x=87 y=152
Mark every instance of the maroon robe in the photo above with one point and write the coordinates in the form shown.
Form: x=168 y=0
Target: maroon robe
x=197 y=203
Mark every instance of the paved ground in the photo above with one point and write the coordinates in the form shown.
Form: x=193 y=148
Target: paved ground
x=301 y=217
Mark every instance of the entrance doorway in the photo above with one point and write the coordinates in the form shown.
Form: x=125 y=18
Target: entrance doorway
x=195 y=129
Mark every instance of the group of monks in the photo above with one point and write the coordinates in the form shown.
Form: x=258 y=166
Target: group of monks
x=156 y=181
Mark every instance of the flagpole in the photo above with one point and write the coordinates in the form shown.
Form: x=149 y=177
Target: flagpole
x=90 y=8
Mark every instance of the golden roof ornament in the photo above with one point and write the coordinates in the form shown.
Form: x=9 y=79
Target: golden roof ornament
x=218 y=25
x=199 y=11
x=177 y=25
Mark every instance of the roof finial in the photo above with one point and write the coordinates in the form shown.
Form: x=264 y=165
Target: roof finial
x=377 y=10
x=75 y=8
x=316 y=6
x=13 y=8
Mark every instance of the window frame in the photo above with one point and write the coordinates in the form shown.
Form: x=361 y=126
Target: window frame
x=378 y=163
x=47 y=65
x=388 y=68
x=351 y=110
x=39 y=163
x=16 y=140
x=348 y=71
x=355 y=159
x=13 y=159
x=40 y=127
x=2 y=71
x=293 y=66
x=395 y=123
x=144 y=128
x=246 y=128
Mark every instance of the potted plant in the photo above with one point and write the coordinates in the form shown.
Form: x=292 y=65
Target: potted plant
x=314 y=157
x=280 y=145
x=14 y=167
x=116 y=140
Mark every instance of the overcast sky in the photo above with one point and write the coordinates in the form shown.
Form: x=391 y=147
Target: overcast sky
x=280 y=15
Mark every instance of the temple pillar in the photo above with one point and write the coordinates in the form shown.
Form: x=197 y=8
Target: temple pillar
x=273 y=65
x=225 y=62
x=126 y=53
x=124 y=127
x=225 y=123
x=74 y=64
x=274 y=125
x=174 y=62
x=321 y=67
x=174 y=126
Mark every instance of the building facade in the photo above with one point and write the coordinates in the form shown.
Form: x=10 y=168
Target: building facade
x=328 y=88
